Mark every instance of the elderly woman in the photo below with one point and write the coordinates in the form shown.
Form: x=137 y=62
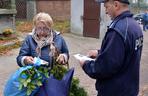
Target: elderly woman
x=43 y=43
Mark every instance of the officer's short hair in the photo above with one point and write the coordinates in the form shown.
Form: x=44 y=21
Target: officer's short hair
x=122 y=1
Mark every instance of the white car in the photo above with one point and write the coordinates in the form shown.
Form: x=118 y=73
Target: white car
x=139 y=17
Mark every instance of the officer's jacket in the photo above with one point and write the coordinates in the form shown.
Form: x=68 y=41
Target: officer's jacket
x=116 y=67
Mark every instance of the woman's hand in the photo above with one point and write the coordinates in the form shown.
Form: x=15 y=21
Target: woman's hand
x=29 y=60
x=62 y=59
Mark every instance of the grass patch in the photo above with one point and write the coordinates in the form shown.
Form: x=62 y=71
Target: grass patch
x=24 y=26
x=5 y=49
x=62 y=26
x=2 y=38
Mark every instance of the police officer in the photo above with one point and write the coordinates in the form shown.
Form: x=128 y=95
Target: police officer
x=116 y=66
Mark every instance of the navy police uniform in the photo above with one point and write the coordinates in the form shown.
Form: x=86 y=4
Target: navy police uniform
x=116 y=68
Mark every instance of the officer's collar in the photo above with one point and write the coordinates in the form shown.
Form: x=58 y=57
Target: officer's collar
x=123 y=15
x=119 y=17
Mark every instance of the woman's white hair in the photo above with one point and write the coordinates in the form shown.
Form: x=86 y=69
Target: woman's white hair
x=43 y=17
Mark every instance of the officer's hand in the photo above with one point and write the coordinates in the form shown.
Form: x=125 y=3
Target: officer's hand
x=92 y=53
x=82 y=62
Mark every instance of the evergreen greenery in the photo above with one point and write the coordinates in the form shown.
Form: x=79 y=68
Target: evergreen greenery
x=58 y=71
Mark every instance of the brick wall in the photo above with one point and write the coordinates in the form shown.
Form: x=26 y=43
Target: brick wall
x=59 y=10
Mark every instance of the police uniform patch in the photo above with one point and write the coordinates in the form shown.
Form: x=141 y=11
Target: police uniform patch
x=138 y=43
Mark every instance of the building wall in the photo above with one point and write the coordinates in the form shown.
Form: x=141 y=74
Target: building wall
x=77 y=16
x=59 y=10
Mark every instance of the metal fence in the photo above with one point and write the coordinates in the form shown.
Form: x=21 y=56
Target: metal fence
x=21 y=9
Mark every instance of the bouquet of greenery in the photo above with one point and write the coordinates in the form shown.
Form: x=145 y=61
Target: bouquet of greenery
x=33 y=78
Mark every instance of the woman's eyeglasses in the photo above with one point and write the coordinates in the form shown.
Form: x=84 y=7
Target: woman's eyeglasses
x=44 y=29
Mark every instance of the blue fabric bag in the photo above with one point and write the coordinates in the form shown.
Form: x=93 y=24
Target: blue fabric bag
x=12 y=85
x=54 y=87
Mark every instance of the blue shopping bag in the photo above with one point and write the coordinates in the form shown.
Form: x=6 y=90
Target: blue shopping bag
x=54 y=87
x=12 y=85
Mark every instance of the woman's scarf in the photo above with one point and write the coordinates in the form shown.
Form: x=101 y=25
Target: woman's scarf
x=44 y=41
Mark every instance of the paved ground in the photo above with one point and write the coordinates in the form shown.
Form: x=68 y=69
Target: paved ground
x=76 y=44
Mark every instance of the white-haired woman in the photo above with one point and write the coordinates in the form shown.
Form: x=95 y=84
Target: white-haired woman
x=42 y=43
